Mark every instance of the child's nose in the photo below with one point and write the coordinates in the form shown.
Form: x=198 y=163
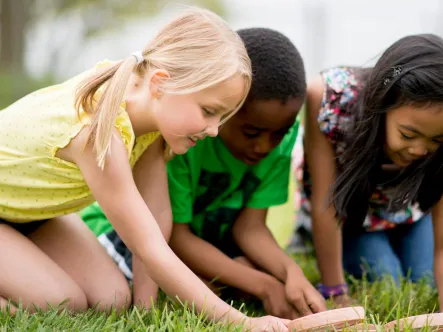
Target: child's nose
x=419 y=150
x=212 y=131
x=262 y=146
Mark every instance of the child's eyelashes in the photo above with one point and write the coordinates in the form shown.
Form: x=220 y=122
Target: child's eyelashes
x=274 y=136
x=251 y=134
x=406 y=136
x=208 y=112
x=281 y=133
x=435 y=142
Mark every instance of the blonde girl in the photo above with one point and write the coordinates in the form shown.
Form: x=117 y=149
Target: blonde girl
x=101 y=136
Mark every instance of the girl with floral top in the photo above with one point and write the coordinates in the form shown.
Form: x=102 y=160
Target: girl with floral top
x=372 y=178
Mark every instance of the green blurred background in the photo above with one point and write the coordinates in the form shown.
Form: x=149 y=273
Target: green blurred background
x=23 y=22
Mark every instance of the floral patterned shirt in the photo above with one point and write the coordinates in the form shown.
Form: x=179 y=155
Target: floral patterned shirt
x=342 y=86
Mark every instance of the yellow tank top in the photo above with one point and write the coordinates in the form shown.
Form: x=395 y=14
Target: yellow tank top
x=34 y=183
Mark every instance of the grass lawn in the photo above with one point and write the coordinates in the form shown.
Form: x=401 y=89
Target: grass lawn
x=383 y=302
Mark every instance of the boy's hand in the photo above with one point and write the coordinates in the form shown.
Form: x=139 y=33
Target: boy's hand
x=274 y=299
x=302 y=294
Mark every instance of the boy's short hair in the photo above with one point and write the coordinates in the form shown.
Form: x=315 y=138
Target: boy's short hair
x=277 y=66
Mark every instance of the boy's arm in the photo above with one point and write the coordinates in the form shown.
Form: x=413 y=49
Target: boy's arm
x=152 y=182
x=210 y=263
x=250 y=231
x=257 y=242
x=204 y=258
x=254 y=238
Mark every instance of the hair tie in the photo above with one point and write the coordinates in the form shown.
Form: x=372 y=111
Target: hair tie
x=397 y=70
x=138 y=56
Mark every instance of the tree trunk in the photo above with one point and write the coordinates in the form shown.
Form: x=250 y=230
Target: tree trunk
x=14 y=16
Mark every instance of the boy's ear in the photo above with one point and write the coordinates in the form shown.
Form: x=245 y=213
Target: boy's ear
x=156 y=78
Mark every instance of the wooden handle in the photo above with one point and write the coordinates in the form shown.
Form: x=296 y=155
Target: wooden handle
x=417 y=322
x=361 y=327
x=337 y=318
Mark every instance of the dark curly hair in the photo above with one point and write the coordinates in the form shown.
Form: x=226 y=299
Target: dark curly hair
x=277 y=67
x=409 y=72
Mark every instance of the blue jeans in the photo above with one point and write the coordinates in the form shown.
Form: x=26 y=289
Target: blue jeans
x=404 y=251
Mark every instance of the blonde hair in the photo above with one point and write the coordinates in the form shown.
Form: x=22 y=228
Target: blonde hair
x=198 y=49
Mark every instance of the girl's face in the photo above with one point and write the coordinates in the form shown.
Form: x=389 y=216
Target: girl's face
x=184 y=119
x=413 y=133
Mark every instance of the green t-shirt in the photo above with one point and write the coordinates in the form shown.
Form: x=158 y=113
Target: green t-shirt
x=208 y=187
x=95 y=219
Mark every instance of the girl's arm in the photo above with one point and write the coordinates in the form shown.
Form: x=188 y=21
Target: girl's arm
x=151 y=179
x=116 y=192
x=437 y=221
x=320 y=158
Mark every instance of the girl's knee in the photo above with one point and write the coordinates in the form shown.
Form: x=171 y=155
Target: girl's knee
x=73 y=300
x=423 y=277
x=77 y=302
x=421 y=273
x=117 y=297
x=375 y=268
x=7 y=306
x=123 y=297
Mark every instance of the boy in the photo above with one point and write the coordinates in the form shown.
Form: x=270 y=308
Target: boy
x=221 y=189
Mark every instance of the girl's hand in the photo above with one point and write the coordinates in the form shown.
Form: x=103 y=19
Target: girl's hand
x=341 y=301
x=266 y=324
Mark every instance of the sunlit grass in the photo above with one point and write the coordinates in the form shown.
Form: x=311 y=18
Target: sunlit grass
x=382 y=300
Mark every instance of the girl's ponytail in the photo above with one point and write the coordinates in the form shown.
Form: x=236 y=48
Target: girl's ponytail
x=105 y=112
x=198 y=49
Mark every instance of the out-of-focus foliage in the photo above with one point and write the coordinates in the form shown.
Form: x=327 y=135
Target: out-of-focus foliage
x=18 y=17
